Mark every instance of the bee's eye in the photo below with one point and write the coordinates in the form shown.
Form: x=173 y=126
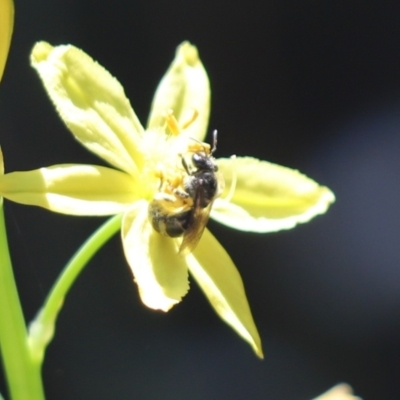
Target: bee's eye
x=198 y=160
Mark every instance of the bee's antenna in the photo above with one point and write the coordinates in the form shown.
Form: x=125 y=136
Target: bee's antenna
x=214 y=147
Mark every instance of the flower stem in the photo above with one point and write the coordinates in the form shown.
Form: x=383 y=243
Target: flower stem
x=41 y=329
x=22 y=373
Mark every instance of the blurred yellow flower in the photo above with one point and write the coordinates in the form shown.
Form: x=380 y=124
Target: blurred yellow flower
x=338 y=392
x=259 y=196
x=6 y=28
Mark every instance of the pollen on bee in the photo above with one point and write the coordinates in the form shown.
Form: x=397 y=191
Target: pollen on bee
x=171 y=182
x=197 y=147
x=170 y=209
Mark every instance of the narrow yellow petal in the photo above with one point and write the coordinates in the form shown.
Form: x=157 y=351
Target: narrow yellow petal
x=91 y=102
x=268 y=197
x=6 y=28
x=161 y=275
x=338 y=392
x=1 y=160
x=219 y=279
x=71 y=189
x=184 y=89
x=1 y=172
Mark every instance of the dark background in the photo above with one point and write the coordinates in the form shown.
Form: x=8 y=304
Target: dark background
x=308 y=84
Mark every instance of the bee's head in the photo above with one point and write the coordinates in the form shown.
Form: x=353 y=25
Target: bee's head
x=204 y=162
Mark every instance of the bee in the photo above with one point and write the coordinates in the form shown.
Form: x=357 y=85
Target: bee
x=186 y=212
x=203 y=185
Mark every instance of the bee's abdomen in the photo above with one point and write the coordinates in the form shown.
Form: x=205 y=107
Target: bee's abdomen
x=172 y=225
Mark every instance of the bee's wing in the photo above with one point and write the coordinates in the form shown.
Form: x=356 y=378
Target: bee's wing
x=197 y=222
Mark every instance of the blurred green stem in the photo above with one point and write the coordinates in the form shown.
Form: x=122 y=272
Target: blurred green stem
x=41 y=329
x=22 y=372
x=22 y=354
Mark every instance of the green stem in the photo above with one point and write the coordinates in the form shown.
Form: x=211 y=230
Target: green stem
x=22 y=372
x=41 y=329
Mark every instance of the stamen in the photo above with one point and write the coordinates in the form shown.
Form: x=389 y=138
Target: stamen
x=191 y=120
x=172 y=123
x=232 y=189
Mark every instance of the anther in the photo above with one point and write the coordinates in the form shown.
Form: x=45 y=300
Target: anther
x=172 y=123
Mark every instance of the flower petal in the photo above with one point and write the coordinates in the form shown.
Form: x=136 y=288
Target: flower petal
x=71 y=189
x=185 y=89
x=6 y=28
x=91 y=102
x=161 y=274
x=1 y=160
x=268 y=197
x=220 y=281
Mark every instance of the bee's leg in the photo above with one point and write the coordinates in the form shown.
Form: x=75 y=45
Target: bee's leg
x=185 y=166
x=160 y=175
x=164 y=197
x=181 y=193
x=161 y=183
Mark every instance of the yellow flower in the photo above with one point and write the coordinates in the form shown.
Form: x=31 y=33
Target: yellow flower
x=149 y=164
x=6 y=28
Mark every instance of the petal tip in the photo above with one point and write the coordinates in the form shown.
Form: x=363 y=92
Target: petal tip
x=259 y=353
x=40 y=52
x=327 y=198
x=157 y=302
x=189 y=53
x=329 y=195
x=341 y=391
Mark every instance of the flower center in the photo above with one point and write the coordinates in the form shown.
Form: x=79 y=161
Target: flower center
x=187 y=186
